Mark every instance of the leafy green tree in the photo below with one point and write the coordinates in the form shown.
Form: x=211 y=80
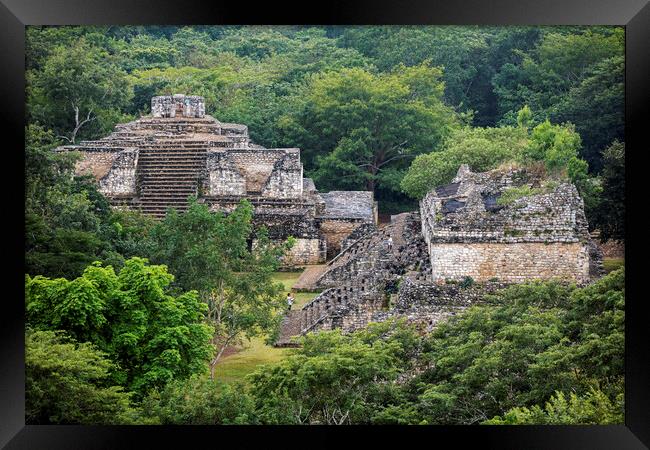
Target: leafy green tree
x=610 y=216
x=64 y=214
x=361 y=124
x=538 y=338
x=201 y=401
x=596 y=106
x=78 y=92
x=593 y=408
x=69 y=383
x=556 y=146
x=129 y=233
x=334 y=378
x=567 y=77
x=152 y=336
x=524 y=117
x=481 y=148
x=216 y=256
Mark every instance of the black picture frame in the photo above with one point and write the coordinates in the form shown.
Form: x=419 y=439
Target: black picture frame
x=16 y=14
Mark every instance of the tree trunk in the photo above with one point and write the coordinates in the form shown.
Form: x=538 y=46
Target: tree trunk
x=213 y=362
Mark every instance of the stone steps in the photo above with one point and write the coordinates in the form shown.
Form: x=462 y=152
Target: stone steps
x=176 y=167
x=171 y=157
x=150 y=196
x=369 y=253
x=168 y=173
x=307 y=280
x=162 y=167
x=289 y=329
x=169 y=185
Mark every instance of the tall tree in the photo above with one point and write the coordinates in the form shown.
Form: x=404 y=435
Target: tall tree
x=69 y=383
x=152 y=336
x=610 y=217
x=79 y=91
x=567 y=77
x=365 y=127
x=229 y=265
x=64 y=214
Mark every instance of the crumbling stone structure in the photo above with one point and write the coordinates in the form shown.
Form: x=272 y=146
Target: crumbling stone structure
x=463 y=244
x=469 y=233
x=177 y=105
x=158 y=161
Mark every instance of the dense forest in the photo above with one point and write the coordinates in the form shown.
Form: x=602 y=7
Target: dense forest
x=128 y=317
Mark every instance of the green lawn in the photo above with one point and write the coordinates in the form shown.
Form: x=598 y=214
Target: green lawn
x=288 y=279
x=255 y=352
x=610 y=264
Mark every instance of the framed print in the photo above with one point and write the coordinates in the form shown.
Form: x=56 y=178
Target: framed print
x=401 y=218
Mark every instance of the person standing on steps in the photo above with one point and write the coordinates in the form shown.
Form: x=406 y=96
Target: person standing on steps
x=289 y=301
x=390 y=243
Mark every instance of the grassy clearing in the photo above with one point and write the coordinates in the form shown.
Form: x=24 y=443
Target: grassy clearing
x=288 y=279
x=255 y=352
x=610 y=264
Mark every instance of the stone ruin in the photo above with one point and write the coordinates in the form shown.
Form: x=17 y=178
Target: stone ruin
x=462 y=244
x=156 y=162
x=470 y=234
x=177 y=105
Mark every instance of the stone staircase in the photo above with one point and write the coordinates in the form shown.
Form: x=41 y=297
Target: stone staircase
x=308 y=278
x=398 y=230
x=353 y=277
x=290 y=329
x=169 y=172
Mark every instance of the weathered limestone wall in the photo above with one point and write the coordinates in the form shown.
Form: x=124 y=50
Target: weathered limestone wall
x=121 y=178
x=539 y=236
x=285 y=180
x=224 y=178
x=270 y=173
x=424 y=303
x=97 y=164
x=335 y=232
x=512 y=263
x=552 y=217
x=114 y=169
x=171 y=105
x=340 y=306
x=304 y=251
x=359 y=232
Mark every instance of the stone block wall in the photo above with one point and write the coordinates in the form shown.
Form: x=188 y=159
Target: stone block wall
x=120 y=179
x=539 y=236
x=270 y=173
x=336 y=231
x=512 y=263
x=224 y=178
x=340 y=307
x=285 y=180
x=423 y=303
x=97 y=164
x=305 y=251
x=170 y=105
x=360 y=231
